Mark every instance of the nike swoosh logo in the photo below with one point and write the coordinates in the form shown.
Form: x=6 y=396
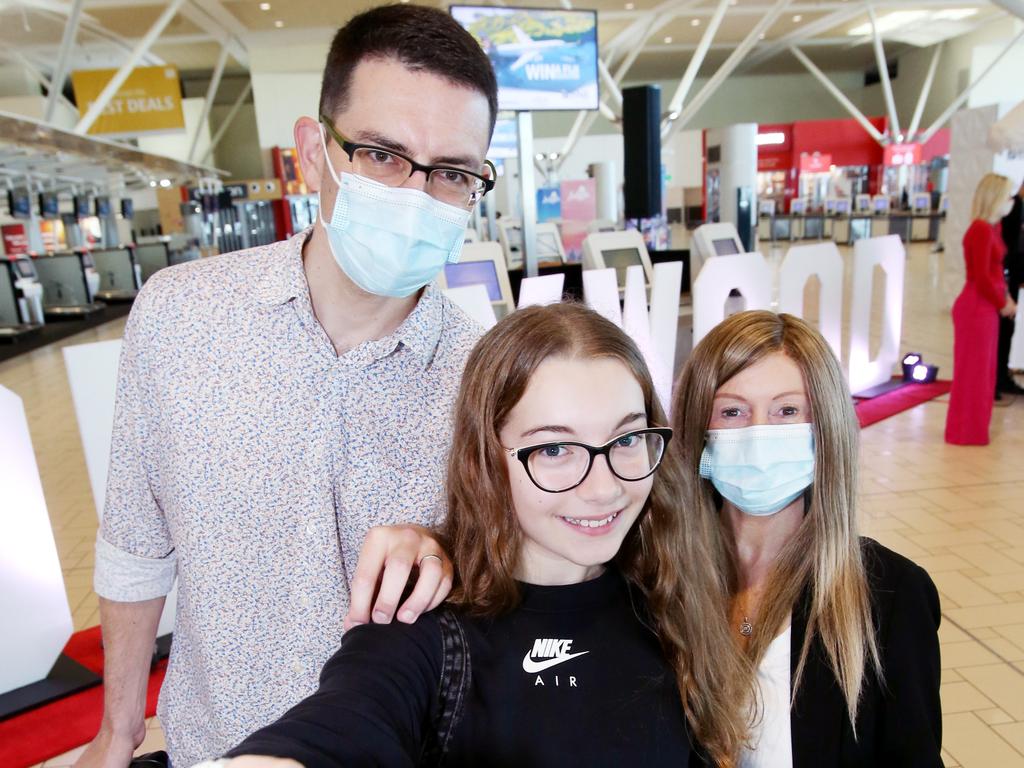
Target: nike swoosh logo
x=531 y=666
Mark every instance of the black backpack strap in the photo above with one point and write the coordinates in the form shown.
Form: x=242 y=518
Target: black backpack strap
x=456 y=672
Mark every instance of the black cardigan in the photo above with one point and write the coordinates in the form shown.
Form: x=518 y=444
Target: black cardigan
x=899 y=722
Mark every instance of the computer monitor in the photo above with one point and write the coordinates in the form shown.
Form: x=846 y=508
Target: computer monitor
x=23 y=269
x=798 y=207
x=151 y=257
x=19 y=203
x=944 y=204
x=543 y=58
x=465 y=273
x=49 y=206
x=726 y=246
x=710 y=240
x=842 y=206
x=102 y=206
x=481 y=264
x=830 y=206
x=63 y=280
x=922 y=202
x=82 y=206
x=127 y=208
x=618 y=251
x=115 y=269
x=880 y=204
x=864 y=203
x=549 y=243
x=766 y=207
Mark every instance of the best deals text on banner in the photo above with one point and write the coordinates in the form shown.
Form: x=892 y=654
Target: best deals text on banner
x=149 y=101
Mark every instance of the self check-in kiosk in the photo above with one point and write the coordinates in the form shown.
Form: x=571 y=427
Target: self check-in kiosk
x=20 y=305
x=481 y=264
x=65 y=279
x=841 y=220
x=921 y=227
x=619 y=251
x=119 y=275
x=797 y=211
x=765 y=215
x=710 y=240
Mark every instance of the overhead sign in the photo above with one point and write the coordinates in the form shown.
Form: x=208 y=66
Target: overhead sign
x=816 y=163
x=902 y=154
x=149 y=101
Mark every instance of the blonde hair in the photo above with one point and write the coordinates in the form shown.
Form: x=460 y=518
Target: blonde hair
x=993 y=190
x=664 y=556
x=824 y=557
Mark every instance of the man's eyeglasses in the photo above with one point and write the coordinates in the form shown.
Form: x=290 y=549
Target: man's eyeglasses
x=559 y=467
x=454 y=186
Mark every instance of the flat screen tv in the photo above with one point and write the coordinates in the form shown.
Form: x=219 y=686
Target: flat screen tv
x=544 y=59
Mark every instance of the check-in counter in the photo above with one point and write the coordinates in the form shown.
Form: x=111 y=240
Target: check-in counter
x=765 y=231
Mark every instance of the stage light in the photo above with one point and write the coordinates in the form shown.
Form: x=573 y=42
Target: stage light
x=911 y=358
x=925 y=374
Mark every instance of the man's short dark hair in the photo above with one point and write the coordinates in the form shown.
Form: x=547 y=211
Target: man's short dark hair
x=423 y=39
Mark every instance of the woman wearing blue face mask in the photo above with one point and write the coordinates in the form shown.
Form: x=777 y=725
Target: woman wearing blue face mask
x=839 y=633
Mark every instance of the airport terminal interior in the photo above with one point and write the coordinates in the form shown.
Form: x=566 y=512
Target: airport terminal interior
x=672 y=160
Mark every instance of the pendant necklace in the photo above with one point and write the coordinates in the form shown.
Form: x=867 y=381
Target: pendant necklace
x=746 y=628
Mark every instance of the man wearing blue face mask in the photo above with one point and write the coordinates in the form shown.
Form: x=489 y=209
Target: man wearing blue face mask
x=277 y=407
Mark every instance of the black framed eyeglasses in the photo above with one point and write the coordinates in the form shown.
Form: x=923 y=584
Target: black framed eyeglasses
x=561 y=466
x=454 y=186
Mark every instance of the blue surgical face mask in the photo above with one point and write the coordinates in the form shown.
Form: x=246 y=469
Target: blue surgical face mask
x=760 y=469
x=390 y=241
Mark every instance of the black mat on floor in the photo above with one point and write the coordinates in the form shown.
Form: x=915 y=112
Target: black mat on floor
x=58 y=330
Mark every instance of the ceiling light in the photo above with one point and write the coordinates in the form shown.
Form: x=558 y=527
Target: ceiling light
x=278 y=23
x=673 y=115
x=264 y=6
x=761 y=36
x=889 y=22
x=152 y=182
x=770 y=138
x=668 y=40
x=165 y=183
x=630 y=6
x=797 y=19
x=694 y=22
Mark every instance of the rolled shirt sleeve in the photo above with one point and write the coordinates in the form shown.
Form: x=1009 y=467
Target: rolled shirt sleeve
x=134 y=551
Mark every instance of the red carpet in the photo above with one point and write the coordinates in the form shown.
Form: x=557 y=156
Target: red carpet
x=55 y=728
x=882 y=407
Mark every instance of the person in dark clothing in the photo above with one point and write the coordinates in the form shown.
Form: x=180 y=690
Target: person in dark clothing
x=574 y=633
x=1013 y=269
x=841 y=633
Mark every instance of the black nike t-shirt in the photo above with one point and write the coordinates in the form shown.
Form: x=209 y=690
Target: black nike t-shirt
x=571 y=677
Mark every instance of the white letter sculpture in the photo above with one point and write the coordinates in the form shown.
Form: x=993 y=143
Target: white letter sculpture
x=888 y=253
x=746 y=272
x=801 y=263
x=33 y=602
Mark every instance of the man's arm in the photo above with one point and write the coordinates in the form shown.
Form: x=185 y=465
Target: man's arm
x=129 y=631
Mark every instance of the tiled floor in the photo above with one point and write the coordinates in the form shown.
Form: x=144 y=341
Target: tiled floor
x=959 y=512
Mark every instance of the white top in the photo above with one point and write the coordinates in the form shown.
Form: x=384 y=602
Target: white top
x=770 y=736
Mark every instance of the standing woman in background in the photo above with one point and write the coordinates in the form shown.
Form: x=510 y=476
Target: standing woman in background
x=840 y=634
x=1013 y=266
x=976 y=315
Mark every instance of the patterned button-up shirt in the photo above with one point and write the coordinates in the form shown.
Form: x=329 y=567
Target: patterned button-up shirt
x=250 y=460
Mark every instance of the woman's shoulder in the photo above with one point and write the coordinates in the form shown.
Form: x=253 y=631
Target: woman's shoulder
x=981 y=231
x=894 y=578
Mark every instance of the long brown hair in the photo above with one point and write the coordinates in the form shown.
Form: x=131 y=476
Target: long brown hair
x=824 y=556
x=663 y=556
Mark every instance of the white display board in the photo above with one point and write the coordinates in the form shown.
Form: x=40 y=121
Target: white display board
x=92 y=375
x=546 y=289
x=33 y=601
x=823 y=261
x=475 y=302
x=888 y=253
x=746 y=272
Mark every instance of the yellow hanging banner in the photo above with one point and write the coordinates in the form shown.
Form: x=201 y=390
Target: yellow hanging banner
x=149 y=101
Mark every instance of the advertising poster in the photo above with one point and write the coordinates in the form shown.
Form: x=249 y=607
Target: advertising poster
x=543 y=59
x=149 y=101
x=579 y=208
x=549 y=204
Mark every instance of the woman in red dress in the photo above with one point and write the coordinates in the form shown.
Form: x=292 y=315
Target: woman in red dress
x=976 y=315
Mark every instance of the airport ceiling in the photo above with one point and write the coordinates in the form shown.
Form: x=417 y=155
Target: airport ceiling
x=834 y=33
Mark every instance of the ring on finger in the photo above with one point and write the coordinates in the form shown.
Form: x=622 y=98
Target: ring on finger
x=436 y=557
